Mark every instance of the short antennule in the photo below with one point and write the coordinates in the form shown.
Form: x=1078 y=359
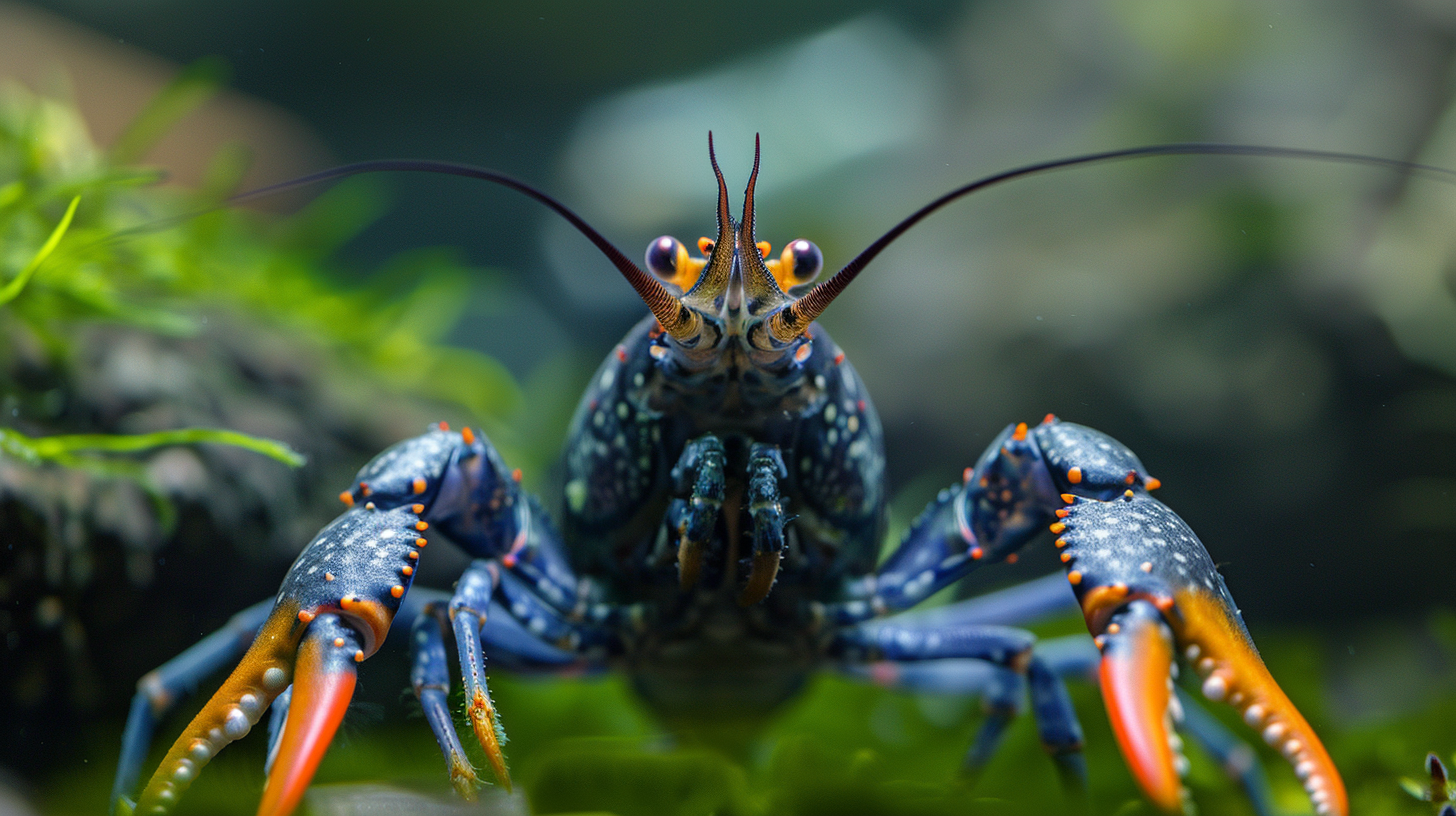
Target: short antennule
x=763 y=291
x=713 y=281
x=793 y=319
x=745 y=227
x=678 y=321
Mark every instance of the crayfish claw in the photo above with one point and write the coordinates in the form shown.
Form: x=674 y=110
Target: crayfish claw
x=323 y=684
x=1137 y=654
x=1147 y=588
x=229 y=715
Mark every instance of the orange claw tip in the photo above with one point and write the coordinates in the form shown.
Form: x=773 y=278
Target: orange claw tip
x=1134 y=679
x=1234 y=668
x=320 y=698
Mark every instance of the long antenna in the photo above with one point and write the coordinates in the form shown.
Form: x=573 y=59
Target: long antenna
x=791 y=321
x=676 y=320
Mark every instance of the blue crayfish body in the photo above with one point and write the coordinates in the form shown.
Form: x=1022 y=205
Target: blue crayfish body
x=723 y=508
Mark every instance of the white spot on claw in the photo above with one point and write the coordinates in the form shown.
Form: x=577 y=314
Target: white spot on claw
x=1215 y=687
x=185 y=770
x=236 y=724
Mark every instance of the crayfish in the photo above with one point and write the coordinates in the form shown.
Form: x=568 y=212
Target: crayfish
x=723 y=506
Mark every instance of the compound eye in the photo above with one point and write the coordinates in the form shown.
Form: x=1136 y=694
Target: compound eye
x=662 y=256
x=806 y=261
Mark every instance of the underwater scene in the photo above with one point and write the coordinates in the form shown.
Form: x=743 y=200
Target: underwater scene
x=946 y=407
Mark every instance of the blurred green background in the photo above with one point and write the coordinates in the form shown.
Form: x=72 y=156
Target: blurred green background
x=1276 y=339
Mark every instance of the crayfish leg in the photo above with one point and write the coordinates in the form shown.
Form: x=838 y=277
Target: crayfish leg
x=323 y=684
x=479 y=708
x=264 y=672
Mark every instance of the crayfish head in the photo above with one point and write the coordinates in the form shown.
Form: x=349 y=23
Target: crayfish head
x=735 y=286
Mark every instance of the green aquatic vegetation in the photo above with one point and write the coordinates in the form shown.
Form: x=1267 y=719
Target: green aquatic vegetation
x=22 y=277
x=162 y=260
x=64 y=449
